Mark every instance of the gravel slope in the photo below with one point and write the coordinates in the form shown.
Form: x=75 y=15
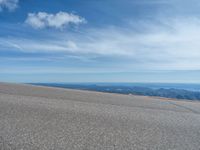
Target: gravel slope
x=33 y=118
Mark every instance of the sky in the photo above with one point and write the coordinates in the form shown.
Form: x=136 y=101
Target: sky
x=100 y=41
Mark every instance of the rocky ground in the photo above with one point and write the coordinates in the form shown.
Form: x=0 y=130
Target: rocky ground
x=42 y=118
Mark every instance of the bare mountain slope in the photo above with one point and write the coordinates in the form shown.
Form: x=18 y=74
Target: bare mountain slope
x=45 y=118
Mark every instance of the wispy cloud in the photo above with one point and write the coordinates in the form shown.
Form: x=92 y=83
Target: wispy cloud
x=172 y=44
x=8 y=4
x=59 y=20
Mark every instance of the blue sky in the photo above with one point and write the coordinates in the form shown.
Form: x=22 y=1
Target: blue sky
x=100 y=41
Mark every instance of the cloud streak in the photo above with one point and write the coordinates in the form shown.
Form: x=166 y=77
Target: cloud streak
x=172 y=44
x=59 y=20
x=8 y=4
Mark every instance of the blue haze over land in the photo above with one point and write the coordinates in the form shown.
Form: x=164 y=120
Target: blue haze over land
x=167 y=90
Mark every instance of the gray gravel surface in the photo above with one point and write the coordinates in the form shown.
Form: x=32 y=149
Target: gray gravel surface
x=42 y=118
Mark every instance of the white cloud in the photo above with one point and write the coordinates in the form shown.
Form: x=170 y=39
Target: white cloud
x=9 y=4
x=172 y=46
x=58 y=20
